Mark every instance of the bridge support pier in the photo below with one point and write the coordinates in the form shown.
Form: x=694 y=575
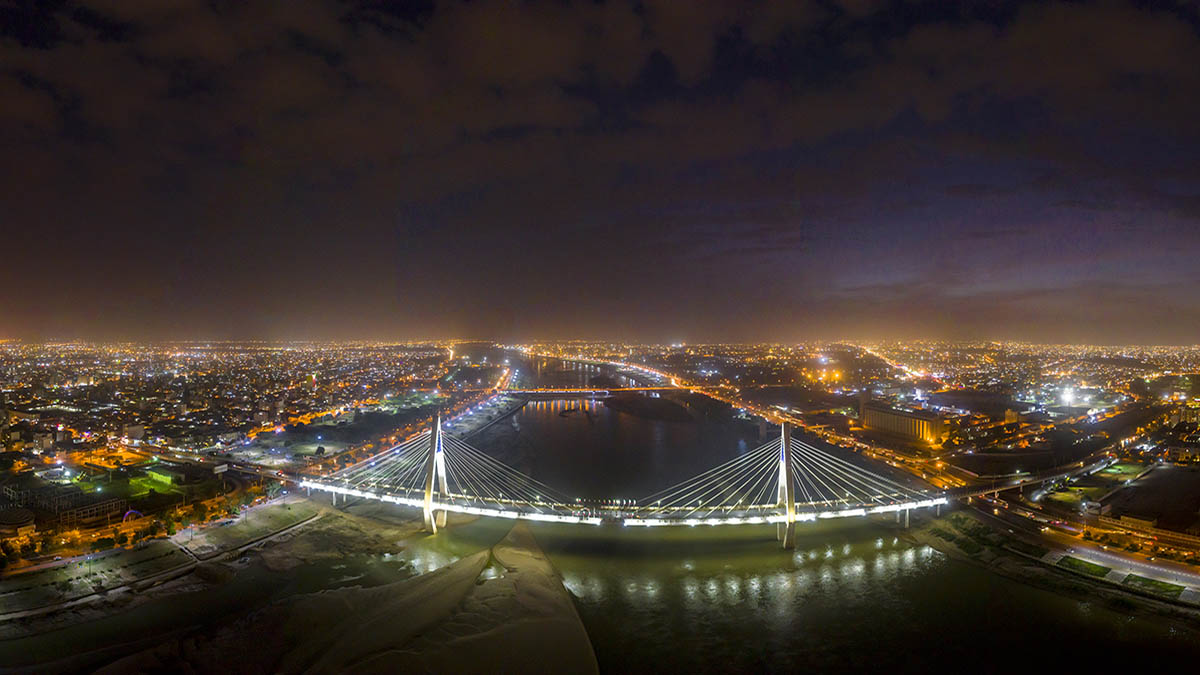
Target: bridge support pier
x=906 y=519
x=786 y=531
x=786 y=534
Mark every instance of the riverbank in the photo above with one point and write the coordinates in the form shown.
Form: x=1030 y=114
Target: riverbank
x=505 y=605
x=966 y=538
x=313 y=533
x=249 y=528
x=494 y=411
x=649 y=407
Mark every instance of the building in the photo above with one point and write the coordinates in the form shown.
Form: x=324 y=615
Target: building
x=1137 y=522
x=1184 y=452
x=916 y=425
x=90 y=510
x=1186 y=414
x=166 y=474
x=16 y=522
x=67 y=504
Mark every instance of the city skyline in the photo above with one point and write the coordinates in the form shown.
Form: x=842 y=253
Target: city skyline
x=616 y=170
x=599 y=336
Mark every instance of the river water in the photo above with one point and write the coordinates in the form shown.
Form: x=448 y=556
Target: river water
x=853 y=596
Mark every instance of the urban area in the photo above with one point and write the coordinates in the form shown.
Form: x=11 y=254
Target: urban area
x=132 y=473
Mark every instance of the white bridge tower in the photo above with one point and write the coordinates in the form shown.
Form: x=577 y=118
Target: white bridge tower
x=435 y=469
x=786 y=531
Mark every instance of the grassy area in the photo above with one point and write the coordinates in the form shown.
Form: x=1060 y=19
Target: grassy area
x=137 y=487
x=253 y=524
x=964 y=543
x=942 y=534
x=1121 y=471
x=1092 y=488
x=1162 y=588
x=1026 y=548
x=31 y=590
x=306 y=449
x=980 y=535
x=1073 y=497
x=1091 y=569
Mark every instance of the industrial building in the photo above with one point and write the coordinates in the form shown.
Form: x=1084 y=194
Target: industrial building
x=916 y=425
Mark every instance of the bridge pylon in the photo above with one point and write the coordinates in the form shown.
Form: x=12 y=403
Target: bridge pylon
x=786 y=531
x=435 y=470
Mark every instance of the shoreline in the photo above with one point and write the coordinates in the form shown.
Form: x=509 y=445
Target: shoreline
x=1029 y=570
x=463 y=616
x=655 y=409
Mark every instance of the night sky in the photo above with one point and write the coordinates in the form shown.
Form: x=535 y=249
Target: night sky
x=661 y=170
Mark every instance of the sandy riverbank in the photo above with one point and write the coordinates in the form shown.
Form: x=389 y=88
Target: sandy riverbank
x=504 y=606
x=368 y=528
x=333 y=535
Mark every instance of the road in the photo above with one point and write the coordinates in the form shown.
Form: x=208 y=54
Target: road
x=1161 y=570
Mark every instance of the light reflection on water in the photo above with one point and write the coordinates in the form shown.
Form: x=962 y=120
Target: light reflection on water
x=851 y=596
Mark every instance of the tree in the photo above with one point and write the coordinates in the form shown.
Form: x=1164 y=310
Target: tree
x=103 y=544
x=200 y=511
x=1138 y=387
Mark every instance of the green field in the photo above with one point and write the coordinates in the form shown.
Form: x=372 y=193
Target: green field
x=1162 y=588
x=1073 y=497
x=1092 y=488
x=1091 y=569
x=1122 y=471
x=253 y=524
x=305 y=449
x=31 y=590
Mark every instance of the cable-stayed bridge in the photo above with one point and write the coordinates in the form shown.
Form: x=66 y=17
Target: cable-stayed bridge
x=783 y=481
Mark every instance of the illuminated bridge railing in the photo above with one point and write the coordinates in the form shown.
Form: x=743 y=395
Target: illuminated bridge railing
x=766 y=485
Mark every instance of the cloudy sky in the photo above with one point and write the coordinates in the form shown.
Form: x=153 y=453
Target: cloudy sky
x=659 y=170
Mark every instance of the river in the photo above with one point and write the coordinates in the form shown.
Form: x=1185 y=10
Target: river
x=854 y=595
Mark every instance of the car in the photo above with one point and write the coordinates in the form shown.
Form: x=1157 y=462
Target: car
x=57 y=558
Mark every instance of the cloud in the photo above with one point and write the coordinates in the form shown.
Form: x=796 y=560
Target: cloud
x=976 y=190
x=810 y=147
